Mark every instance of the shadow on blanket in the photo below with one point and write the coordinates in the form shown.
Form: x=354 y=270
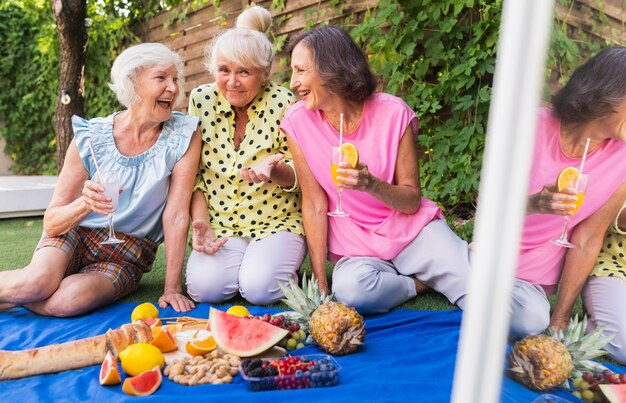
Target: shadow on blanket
x=408 y=356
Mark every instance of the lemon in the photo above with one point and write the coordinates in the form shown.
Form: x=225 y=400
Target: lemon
x=238 y=310
x=141 y=357
x=144 y=311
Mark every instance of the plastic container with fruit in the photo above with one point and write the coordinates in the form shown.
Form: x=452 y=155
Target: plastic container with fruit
x=290 y=372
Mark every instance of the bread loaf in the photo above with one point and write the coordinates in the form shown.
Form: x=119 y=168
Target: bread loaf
x=71 y=355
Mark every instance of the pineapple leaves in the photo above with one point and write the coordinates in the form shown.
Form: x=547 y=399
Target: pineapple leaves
x=583 y=347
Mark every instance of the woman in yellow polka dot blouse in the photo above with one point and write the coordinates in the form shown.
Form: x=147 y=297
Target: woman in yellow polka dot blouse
x=247 y=220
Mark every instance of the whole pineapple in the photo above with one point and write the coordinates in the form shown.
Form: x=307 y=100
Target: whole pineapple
x=541 y=362
x=335 y=327
x=546 y=361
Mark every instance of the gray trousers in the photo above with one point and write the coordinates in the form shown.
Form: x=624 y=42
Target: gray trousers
x=437 y=257
x=604 y=299
x=530 y=310
x=248 y=267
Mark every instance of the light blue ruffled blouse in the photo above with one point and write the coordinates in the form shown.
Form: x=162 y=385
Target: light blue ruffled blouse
x=144 y=178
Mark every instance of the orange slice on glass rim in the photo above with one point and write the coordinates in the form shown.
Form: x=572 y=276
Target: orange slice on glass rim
x=566 y=178
x=201 y=347
x=350 y=154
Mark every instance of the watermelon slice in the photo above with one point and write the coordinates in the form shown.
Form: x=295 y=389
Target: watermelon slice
x=614 y=393
x=243 y=336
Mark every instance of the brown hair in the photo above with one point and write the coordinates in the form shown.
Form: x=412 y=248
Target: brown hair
x=339 y=61
x=595 y=89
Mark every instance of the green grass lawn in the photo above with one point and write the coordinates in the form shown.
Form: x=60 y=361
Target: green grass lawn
x=19 y=237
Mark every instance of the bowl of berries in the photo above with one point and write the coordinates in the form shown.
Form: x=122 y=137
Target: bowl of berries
x=290 y=372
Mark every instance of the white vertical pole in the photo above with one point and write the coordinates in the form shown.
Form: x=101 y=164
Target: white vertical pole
x=518 y=79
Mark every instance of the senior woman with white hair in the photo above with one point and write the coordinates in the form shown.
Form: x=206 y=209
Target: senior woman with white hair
x=247 y=222
x=153 y=153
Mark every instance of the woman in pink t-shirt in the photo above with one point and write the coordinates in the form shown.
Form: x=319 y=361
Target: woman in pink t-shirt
x=591 y=105
x=395 y=243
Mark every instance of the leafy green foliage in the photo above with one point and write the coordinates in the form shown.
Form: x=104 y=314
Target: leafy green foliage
x=439 y=57
x=29 y=70
x=569 y=46
x=28 y=73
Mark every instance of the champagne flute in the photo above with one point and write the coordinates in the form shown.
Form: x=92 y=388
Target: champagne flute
x=335 y=160
x=111 y=189
x=581 y=188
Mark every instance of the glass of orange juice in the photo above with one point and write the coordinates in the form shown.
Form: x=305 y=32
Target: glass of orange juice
x=336 y=158
x=581 y=188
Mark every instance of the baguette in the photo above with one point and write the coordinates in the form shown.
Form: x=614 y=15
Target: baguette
x=71 y=355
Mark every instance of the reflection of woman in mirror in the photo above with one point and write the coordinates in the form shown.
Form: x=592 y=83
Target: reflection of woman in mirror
x=591 y=105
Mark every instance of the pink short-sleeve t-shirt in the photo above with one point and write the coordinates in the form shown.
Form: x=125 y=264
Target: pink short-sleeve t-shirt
x=372 y=229
x=540 y=261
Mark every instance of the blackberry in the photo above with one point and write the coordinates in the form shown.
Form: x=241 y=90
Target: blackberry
x=256 y=373
x=261 y=372
x=250 y=364
x=271 y=371
x=263 y=384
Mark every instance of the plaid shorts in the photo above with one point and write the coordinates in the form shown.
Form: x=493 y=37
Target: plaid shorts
x=123 y=264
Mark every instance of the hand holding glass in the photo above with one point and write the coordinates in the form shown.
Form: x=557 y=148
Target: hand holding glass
x=111 y=189
x=583 y=181
x=335 y=160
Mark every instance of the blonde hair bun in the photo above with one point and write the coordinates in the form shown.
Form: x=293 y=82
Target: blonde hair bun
x=255 y=18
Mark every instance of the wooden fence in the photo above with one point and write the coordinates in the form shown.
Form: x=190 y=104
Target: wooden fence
x=190 y=35
x=585 y=15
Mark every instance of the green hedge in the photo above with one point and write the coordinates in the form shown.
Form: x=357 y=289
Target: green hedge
x=439 y=57
x=28 y=77
x=29 y=70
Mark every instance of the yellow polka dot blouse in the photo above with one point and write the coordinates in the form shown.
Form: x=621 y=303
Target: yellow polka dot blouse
x=240 y=208
x=611 y=261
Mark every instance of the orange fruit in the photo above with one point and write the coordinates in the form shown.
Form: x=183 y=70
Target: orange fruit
x=144 y=384
x=566 y=178
x=350 y=154
x=163 y=339
x=109 y=371
x=201 y=347
x=153 y=322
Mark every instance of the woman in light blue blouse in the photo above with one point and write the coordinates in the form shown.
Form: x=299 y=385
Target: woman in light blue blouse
x=153 y=152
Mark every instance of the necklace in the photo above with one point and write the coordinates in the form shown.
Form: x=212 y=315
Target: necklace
x=349 y=125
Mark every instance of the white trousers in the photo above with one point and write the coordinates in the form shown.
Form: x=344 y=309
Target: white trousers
x=437 y=257
x=604 y=299
x=250 y=267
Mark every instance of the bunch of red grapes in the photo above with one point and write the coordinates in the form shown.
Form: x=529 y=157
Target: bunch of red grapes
x=587 y=387
x=296 y=337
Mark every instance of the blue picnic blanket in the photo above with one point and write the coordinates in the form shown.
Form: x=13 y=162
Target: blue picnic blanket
x=408 y=355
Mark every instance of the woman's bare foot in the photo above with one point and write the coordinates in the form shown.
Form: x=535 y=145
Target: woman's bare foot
x=420 y=287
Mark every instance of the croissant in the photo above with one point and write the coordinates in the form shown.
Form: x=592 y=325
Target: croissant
x=71 y=355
